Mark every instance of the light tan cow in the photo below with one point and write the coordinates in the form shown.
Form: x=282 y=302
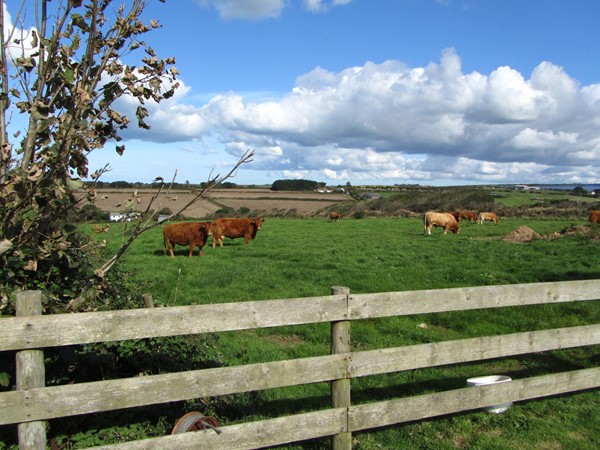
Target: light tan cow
x=97 y=228
x=492 y=217
x=444 y=220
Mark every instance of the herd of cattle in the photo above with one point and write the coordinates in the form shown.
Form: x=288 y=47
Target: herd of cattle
x=451 y=220
x=195 y=234
x=446 y=220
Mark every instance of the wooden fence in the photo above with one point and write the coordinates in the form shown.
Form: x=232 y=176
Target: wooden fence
x=32 y=403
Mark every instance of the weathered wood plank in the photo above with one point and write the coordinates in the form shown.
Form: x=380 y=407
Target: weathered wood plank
x=83 y=398
x=67 y=329
x=453 y=352
x=252 y=435
x=363 y=306
x=364 y=417
x=56 y=330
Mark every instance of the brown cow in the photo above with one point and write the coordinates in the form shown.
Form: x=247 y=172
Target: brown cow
x=492 y=217
x=235 y=228
x=594 y=217
x=186 y=233
x=334 y=216
x=470 y=215
x=445 y=220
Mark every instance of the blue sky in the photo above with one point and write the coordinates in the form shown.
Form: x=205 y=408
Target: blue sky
x=434 y=92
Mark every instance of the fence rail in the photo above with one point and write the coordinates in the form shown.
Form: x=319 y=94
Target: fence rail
x=30 y=405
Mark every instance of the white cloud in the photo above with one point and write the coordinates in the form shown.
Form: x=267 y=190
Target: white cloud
x=20 y=41
x=318 y=6
x=389 y=121
x=529 y=138
x=264 y=9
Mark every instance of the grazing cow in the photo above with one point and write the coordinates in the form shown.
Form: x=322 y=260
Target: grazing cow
x=97 y=228
x=445 y=220
x=186 y=233
x=334 y=216
x=492 y=217
x=594 y=217
x=235 y=228
x=470 y=215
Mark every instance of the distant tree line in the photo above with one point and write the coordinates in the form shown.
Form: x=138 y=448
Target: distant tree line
x=140 y=185
x=296 y=185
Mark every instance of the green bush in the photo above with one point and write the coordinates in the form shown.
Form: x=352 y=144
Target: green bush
x=225 y=212
x=91 y=213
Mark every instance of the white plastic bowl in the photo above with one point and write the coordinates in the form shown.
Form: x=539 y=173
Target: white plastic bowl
x=491 y=379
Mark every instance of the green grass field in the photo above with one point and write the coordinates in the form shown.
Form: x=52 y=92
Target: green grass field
x=511 y=197
x=299 y=258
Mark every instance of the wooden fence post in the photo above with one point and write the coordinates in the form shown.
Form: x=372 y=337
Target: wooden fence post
x=30 y=373
x=148 y=300
x=340 y=389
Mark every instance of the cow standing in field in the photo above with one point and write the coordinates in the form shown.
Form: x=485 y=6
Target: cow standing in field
x=235 y=228
x=470 y=215
x=445 y=220
x=186 y=233
x=334 y=216
x=594 y=217
x=492 y=217
x=97 y=228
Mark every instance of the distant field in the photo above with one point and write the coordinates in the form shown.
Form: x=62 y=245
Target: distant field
x=304 y=203
x=512 y=197
x=309 y=204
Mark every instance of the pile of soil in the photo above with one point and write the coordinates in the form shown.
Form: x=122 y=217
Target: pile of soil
x=526 y=234
x=575 y=229
x=522 y=234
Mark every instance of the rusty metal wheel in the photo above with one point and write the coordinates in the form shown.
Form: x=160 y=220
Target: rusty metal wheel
x=194 y=421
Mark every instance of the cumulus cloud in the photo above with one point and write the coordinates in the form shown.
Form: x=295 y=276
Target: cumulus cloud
x=264 y=9
x=20 y=41
x=389 y=121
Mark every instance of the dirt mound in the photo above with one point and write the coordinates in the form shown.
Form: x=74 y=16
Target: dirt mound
x=522 y=234
x=576 y=229
x=526 y=234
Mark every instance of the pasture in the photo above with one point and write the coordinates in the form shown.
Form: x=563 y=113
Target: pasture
x=305 y=257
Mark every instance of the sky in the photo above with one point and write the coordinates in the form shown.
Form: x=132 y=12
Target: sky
x=430 y=92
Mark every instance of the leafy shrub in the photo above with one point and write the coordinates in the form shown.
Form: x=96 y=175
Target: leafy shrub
x=91 y=213
x=224 y=212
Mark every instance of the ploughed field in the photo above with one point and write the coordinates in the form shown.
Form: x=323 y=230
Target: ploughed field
x=261 y=201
